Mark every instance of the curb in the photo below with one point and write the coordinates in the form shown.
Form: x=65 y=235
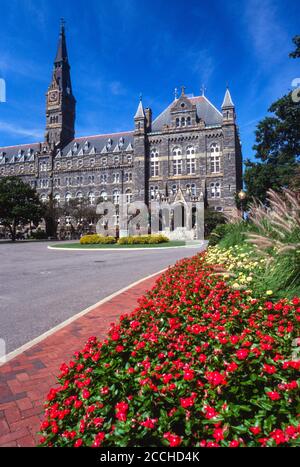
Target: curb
x=125 y=249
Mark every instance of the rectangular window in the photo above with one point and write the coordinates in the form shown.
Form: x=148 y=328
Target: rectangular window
x=154 y=169
x=177 y=167
x=215 y=165
x=191 y=166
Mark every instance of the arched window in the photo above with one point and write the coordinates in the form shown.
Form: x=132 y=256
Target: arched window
x=215 y=190
x=128 y=196
x=174 y=189
x=154 y=163
x=191 y=161
x=116 y=178
x=177 y=161
x=68 y=197
x=104 y=161
x=116 y=160
x=194 y=189
x=188 y=121
x=44 y=199
x=177 y=122
x=103 y=178
x=183 y=121
x=215 y=161
x=92 y=198
x=103 y=195
x=57 y=198
x=92 y=162
x=128 y=177
x=79 y=195
x=116 y=197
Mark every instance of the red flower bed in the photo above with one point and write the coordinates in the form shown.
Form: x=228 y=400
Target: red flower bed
x=196 y=364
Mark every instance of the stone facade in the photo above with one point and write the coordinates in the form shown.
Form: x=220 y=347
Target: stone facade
x=191 y=146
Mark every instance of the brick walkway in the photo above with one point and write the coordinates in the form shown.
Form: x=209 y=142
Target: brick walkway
x=26 y=380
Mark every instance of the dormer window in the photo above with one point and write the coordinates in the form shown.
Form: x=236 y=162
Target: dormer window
x=86 y=146
x=109 y=144
x=75 y=147
x=121 y=142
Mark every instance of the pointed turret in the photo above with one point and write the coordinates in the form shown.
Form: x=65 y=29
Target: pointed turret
x=140 y=110
x=140 y=117
x=228 y=108
x=227 y=102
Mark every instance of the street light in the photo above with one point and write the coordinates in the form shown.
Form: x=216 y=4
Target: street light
x=242 y=195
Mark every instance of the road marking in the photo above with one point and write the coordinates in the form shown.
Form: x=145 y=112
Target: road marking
x=6 y=358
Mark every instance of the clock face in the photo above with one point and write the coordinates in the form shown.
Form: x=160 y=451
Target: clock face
x=53 y=97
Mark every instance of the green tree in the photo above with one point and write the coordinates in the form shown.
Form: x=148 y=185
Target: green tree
x=19 y=204
x=296 y=53
x=277 y=147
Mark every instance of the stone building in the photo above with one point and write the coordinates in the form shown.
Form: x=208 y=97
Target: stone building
x=191 y=147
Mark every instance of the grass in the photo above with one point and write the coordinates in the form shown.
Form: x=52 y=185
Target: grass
x=76 y=246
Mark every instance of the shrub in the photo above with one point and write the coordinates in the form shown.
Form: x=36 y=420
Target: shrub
x=211 y=220
x=196 y=364
x=96 y=239
x=39 y=235
x=217 y=234
x=143 y=240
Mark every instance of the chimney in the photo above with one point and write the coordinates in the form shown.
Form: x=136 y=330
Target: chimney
x=148 y=115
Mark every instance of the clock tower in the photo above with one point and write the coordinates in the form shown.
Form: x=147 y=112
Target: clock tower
x=60 y=104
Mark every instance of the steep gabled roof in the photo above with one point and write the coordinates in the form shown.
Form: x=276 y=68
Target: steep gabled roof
x=206 y=111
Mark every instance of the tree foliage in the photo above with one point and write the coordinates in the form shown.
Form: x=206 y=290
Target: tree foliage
x=19 y=204
x=277 y=146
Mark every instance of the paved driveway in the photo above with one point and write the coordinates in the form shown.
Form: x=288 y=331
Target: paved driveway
x=40 y=288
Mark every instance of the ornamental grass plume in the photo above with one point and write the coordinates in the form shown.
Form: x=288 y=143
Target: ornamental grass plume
x=278 y=238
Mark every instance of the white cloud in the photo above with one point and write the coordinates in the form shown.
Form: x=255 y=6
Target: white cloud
x=268 y=36
x=17 y=130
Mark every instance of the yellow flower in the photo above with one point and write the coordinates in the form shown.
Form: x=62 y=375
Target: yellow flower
x=269 y=292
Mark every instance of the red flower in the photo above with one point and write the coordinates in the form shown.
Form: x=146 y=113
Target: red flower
x=188 y=402
x=255 y=430
x=174 y=440
x=78 y=443
x=270 y=369
x=218 y=434
x=86 y=394
x=210 y=412
x=189 y=375
x=273 y=395
x=215 y=378
x=234 y=443
x=278 y=436
x=242 y=354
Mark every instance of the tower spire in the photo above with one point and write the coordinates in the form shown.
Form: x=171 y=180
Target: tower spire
x=61 y=104
x=62 y=53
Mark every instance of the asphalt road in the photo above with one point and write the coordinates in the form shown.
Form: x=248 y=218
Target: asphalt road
x=40 y=288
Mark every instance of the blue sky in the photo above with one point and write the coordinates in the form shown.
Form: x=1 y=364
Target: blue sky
x=120 y=48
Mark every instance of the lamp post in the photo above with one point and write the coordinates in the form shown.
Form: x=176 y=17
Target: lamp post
x=242 y=195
